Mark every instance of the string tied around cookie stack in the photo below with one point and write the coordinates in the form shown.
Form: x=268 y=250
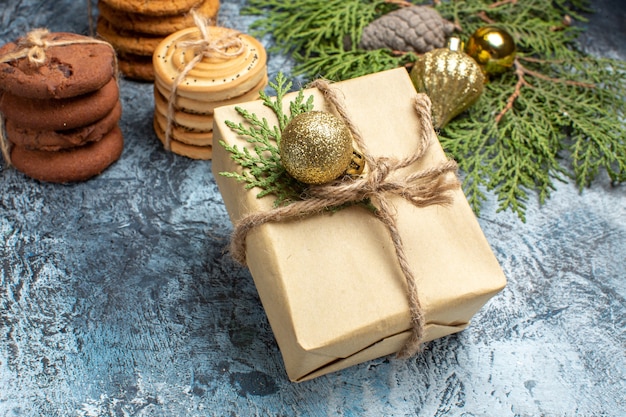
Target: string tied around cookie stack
x=5 y=145
x=35 y=43
x=33 y=46
x=381 y=180
x=228 y=46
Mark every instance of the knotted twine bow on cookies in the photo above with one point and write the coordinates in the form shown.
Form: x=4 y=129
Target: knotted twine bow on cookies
x=205 y=47
x=33 y=46
x=422 y=188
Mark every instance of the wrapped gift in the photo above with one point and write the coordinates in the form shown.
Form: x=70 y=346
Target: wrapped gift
x=330 y=283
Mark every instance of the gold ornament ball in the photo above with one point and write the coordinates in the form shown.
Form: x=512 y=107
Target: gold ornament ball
x=451 y=79
x=316 y=147
x=493 y=48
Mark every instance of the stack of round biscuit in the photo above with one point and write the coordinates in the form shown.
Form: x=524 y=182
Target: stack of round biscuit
x=60 y=106
x=136 y=27
x=228 y=67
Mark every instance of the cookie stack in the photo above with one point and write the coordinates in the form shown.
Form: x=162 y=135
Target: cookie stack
x=136 y=27
x=232 y=69
x=60 y=106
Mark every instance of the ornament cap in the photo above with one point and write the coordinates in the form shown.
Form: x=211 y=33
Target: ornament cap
x=357 y=164
x=455 y=44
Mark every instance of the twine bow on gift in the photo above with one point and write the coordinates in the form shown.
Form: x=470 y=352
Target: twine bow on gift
x=33 y=46
x=422 y=188
x=205 y=47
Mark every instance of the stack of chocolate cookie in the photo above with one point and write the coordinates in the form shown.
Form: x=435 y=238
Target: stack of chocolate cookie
x=60 y=106
x=233 y=69
x=136 y=27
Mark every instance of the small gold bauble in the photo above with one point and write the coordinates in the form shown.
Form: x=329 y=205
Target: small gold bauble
x=493 y=48
x=316 y=147
x=452 y=80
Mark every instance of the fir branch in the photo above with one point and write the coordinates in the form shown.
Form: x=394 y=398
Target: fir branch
x=541 y=123
x=337 y=64
x=521 y=72
x=525 y=149
x=308 y=26
x=598 y=136
x=574 y=8
x=501 y=2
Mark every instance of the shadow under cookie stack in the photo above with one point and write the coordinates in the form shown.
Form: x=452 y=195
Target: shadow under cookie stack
x=196 y=70
x=60 y=106
x=135 y=28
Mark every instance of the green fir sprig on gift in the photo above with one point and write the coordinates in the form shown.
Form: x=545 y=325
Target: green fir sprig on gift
x=262 y=167
x=558 y=114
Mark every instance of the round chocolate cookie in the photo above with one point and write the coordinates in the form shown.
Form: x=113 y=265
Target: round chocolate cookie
x=51 y=140
x=70 y=165
x=60 y=114
x=68 y=70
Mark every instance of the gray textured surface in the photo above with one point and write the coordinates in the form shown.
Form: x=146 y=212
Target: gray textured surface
x=116 y=298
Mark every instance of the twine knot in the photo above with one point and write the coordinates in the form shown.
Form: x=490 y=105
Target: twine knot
x=36 y=45
x=205 y=47
x=382 y=178
x=379 y=173
x=208 y=47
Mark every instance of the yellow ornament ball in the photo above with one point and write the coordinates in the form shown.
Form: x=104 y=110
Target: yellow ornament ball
x=316 y=147
x=493 y=48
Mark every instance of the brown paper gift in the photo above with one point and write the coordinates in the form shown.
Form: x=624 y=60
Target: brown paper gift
x=330 y=284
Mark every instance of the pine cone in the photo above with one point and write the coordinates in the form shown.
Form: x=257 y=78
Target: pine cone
x=409 y=29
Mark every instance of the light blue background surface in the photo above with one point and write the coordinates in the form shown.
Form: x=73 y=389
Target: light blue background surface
x=116 y=297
